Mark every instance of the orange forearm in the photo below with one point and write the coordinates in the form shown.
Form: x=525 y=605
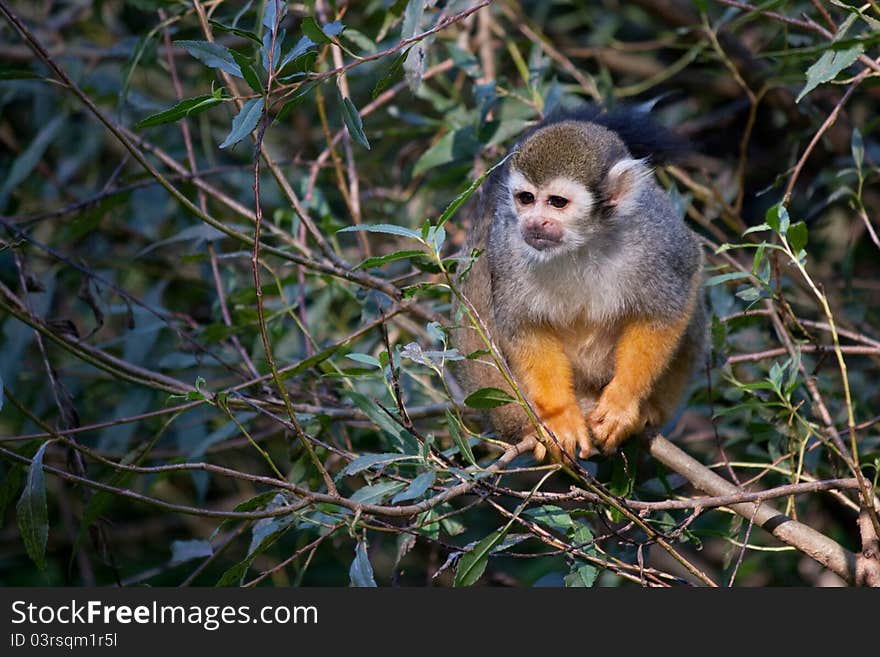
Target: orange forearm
x=543 y=370
x=545 y=374
x=642 y=354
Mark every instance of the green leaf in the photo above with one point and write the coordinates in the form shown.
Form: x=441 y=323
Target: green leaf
x=723 y=278
x=353 y=122
x=388 y=229
x=797 y=236
x=33 y=512
x=247 y=71
x=400 y=437
x=488 y=398
x=777 y=218
x=749 y=294
x=377 y=492
x=236 y=31
x=321 y=34
x=361 y=571
x=244 y=122
x=857 y=145
x=365 y=359
x=461 y=442
x=211 y=54
x=182 y=551
x=472 y=565
x=394 y=71
x=453 y=146
x=270 y=18
x=378 y=261
x=459 y=200
x=301 y=48
x=581 y=576
x=370 y=460
x=417 y=487
x=265 y=532
x=551 y=516
x=828 y=66
x=187 y=107
x=759 y=228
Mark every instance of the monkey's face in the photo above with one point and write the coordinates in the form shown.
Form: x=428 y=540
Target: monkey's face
x=552 y=217
x=568 y=185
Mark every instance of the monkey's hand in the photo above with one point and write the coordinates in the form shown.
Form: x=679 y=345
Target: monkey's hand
x=641 y=356
x=540 y=365
x=570 y=431
x=616 y=415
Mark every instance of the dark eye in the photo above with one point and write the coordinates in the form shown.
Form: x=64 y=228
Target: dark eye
x=557 y=201
x=526 y=198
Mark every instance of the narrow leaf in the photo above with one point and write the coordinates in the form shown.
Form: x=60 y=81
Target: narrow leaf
x=581 y=576
x=394 y=71
x=417 y=488
x=459 y=200
x=857 y=144
x=236 y=31
x=797 y=236
x=552 y=516
x=389 y=229
x=378 y=261
x=301 y=48
x=244 y=122
x=828 y=66
x=321 y=34
x=211 y=54
x=472 y=565
x=270 y=18
x=247 y=71
x=723 y=278
x=376 y=493
x=461 y=442
x=488 y=398
x=354 y=123
x=365 y=359
x=370 y=460
x=361 y=571
x=184 y=108
x=32 y=511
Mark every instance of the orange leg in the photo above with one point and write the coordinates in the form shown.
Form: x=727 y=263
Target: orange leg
x=544 y=372
x=641 y=357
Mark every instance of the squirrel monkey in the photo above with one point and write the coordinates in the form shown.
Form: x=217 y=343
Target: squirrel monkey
x=588 y=282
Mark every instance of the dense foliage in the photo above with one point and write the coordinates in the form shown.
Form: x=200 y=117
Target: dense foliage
x=228 y=238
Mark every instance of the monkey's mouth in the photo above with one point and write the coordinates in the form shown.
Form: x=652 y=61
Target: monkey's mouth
x=541 y=240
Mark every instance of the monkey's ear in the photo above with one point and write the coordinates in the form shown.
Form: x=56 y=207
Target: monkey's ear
x=623 y=183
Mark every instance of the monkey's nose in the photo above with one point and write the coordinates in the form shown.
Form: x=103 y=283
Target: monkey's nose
x=542 y=233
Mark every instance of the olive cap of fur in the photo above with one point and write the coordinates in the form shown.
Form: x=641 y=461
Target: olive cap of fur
x=577 y=150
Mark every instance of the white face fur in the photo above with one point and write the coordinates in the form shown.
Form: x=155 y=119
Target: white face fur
x=555 y=218
x=551 y=217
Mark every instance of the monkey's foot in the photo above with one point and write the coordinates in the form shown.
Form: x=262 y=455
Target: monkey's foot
x=570 y=429
x=615 y=417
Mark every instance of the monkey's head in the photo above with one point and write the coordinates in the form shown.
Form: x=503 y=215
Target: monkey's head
x=568 y=182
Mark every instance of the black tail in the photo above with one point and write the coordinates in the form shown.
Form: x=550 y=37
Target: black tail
x=643 y=135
